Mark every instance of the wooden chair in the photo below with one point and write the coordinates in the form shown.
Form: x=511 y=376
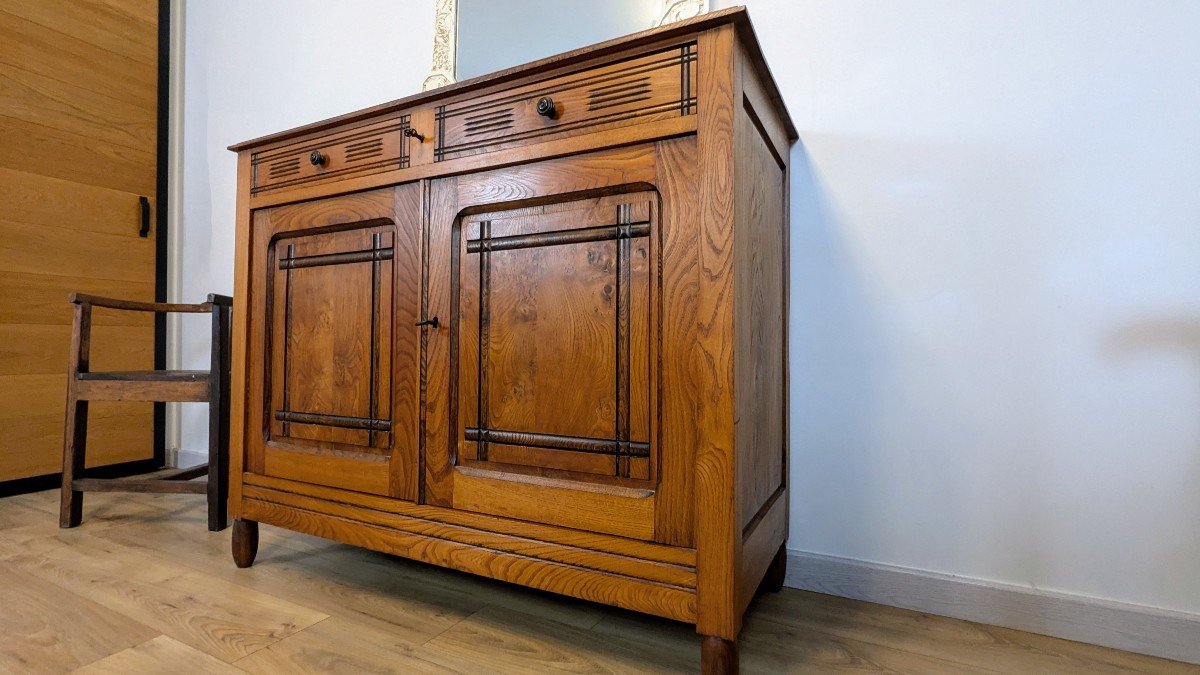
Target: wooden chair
x=148 y=385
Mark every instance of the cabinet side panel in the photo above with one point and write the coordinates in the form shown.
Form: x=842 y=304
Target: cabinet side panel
x=760 y=328
x=759 y=367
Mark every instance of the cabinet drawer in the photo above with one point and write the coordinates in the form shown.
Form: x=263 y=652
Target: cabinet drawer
x=630 y=91
x=373 y=148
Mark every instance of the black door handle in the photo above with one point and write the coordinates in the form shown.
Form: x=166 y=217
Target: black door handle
x=145 y=204
x=433 y=323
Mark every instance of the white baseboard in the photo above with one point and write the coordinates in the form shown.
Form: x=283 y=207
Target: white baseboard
x=1135 y=628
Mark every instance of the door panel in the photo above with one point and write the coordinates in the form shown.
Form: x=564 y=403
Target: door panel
x=542 y=388
x=552 y=326
x=78 y=119
x=339 y=389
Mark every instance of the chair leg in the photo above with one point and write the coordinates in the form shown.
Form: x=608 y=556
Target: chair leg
x=218 y=463
x=218 y=420
x=70 y=512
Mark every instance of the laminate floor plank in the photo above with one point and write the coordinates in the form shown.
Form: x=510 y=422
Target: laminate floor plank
x=338 y=645
x=348 y=586
x=160 y=655
x=498 y=639
x=47 y=629
x=142 y=586
x=222 y=619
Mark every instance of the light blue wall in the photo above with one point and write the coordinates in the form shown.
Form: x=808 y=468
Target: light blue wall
x=995 y=312
x=498 y=34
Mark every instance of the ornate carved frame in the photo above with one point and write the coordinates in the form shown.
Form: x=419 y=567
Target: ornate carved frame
x=445 y=33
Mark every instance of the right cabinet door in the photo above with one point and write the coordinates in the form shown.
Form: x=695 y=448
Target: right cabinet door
x=552 y=350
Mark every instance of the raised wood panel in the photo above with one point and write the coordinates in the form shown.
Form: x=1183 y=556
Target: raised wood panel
x=330 y=337
x=546 y=291
x=760 y=366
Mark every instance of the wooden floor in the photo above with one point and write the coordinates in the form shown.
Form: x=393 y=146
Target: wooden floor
x=141 y=586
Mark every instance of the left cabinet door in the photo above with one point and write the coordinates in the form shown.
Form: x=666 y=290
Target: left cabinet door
x=334 y=353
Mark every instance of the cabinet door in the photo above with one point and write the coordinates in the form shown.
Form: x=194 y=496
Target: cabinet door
x=339 y=361
x=552 y=380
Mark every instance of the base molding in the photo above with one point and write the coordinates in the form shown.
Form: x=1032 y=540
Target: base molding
x=1135 y=628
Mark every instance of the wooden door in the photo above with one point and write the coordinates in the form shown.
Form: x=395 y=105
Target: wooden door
x=78 y=116
x=335 y=350
x=544 y=387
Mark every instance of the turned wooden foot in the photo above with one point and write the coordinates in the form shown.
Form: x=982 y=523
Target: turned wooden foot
x=718 y=656
x=773 y=580
x=245 y=542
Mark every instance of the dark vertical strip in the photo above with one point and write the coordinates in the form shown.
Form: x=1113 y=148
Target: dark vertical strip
x=286 y=333
x=485 y=231
x=404 y=141
x=438 y=151
x=624 y=278
x=423 y=340
x=683 y=80
x=374 y=374
x=162 y=141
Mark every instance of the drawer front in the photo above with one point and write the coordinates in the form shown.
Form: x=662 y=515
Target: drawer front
x=631 y=91
x=374 y=148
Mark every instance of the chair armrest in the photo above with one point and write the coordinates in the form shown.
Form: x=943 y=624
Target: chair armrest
x=136 y=305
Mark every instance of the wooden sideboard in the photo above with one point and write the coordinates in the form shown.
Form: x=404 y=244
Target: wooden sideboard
x=531 y=326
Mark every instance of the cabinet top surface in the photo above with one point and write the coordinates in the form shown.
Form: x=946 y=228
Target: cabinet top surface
x=738 y=17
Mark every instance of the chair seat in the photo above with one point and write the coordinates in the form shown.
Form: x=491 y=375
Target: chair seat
x=143 y=385
x=147 y=375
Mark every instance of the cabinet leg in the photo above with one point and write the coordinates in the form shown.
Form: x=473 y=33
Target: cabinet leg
x=718 y=656
x=773 y=581
x=245 y=542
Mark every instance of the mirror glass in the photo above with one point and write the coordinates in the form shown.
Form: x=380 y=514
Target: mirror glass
x=494 y=35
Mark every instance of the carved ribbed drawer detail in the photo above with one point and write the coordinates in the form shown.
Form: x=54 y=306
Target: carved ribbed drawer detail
x=655 y=86
x=368 y=149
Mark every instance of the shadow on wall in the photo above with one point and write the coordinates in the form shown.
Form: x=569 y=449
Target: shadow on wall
x=1173 y=335
x=833 y=360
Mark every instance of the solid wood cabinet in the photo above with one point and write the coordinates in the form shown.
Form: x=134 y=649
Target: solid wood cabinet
x=544 y=346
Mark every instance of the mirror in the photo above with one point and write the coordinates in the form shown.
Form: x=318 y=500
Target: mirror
x=476 y=37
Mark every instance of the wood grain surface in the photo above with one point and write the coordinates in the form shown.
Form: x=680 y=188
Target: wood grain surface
x=315 y=606
x=78 y=120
